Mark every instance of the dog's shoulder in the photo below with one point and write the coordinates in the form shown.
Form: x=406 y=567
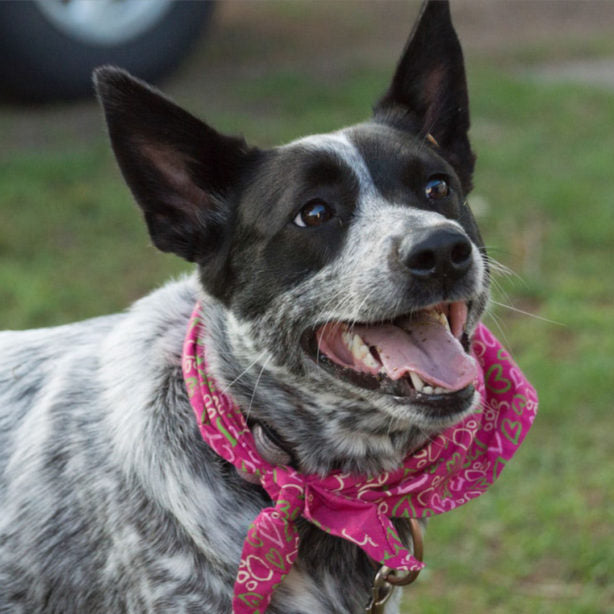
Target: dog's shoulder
x=51 y=375
x=32 y=360
x=148 y=338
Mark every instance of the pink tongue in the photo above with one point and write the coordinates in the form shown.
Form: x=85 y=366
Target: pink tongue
x=424 y=346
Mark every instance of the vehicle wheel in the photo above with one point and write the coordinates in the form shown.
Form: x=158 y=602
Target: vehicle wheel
x=50 y=47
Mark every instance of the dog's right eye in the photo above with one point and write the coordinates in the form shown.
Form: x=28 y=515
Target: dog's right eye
x=437 y=188
x=314 y=213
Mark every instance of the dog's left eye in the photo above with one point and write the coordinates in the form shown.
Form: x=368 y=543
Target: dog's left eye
x=314 y=213
x=437 y=188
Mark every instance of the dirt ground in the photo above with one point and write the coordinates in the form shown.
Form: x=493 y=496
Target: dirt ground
x=247 y=38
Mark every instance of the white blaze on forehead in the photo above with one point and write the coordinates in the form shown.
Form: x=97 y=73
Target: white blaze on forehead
x=370 y=200
x=340 y=146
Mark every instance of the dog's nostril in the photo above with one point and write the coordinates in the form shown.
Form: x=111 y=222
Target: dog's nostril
x=423 y=263
x=460 y=255
x=443 y=252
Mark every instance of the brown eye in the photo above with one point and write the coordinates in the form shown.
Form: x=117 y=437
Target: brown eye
x=314 y=213
x=437 y=188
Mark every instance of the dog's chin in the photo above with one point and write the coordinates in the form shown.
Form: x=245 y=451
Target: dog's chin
x=356 y=358
x=430 y=413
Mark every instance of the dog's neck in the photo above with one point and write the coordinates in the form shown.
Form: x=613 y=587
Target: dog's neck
x=321 y=432
x=276 y=450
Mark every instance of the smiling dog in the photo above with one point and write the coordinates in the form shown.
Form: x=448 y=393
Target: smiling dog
x=341 y=279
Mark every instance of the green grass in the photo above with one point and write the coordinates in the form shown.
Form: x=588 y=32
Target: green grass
x=72 y=245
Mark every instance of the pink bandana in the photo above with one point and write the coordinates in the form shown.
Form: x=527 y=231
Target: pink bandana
x=455 y=467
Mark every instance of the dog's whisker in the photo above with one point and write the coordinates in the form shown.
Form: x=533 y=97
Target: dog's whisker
x=528 y=314
x=501 y=269
x=366 y=299
x=500 y=290
x=499 y=326
x=244 y=372
x=257 y=382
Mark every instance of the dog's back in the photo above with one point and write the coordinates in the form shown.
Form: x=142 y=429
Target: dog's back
x=49 y=409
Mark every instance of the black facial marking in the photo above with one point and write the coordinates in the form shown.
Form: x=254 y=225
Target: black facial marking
x=270 y=252
x=401 y=167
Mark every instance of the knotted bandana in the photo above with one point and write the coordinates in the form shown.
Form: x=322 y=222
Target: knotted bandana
x=453 y=468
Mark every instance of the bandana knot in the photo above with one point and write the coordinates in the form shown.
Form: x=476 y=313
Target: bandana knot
x=454 y=467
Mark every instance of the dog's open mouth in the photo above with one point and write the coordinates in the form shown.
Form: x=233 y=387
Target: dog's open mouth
x=419 y=355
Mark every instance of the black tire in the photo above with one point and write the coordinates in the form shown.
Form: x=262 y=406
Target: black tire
x=40 y=62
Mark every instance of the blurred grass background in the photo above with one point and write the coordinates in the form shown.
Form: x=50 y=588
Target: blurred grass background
x=72 y=245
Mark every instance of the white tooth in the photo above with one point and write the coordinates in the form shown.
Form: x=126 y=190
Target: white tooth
x=360 y=351
x=438 y=390
x=416 y=381
x=370 y=361
x=358 y=347
x=431 y=314
x=443 y=319
x=427 y=390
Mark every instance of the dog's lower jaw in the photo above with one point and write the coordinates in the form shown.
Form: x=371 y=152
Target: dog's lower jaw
x=365 y=431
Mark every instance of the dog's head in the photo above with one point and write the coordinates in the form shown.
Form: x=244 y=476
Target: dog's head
x=348 y=266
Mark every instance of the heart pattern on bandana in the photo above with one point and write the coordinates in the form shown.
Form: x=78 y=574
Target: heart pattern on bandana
x=495 y=381
x=274 y=557
x=453 y=468
x=512 y=430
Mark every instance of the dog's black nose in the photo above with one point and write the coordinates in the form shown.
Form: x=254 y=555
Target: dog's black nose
x=444 y=253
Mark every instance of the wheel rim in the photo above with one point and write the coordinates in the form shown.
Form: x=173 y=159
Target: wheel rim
x=103 y=22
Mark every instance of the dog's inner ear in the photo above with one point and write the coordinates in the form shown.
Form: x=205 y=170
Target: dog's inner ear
x=428 y=92
x=175 y=207
x=180 y=171
x=173 y=170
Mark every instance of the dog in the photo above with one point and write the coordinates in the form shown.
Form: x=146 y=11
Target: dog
x=308 y=257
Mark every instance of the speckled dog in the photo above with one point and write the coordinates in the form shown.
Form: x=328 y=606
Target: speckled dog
x=316 y=262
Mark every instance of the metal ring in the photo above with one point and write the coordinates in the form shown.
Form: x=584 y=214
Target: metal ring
x=382 y=589
x=416 y=536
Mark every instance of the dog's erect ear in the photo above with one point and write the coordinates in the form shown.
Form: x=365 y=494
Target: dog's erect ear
x=179 y=169
x=429 y=89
